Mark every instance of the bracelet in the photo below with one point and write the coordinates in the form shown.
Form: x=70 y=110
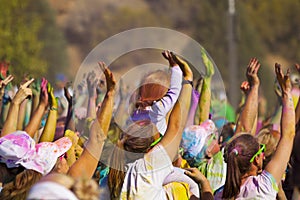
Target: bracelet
x=187 y=82
x=52 y=108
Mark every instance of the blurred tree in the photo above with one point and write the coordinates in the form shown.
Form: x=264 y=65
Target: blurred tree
x=277 y=23
x=30 y=39
x=262 y=28
x=19 y=39
x=54 y=44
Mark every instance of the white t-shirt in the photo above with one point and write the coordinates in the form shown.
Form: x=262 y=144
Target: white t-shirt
x=144 y=178
x=263 y=186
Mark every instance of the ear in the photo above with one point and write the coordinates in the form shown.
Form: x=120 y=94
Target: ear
x=221 y=140
x=257 y=160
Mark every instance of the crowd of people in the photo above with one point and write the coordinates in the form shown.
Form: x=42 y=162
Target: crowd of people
x=160 y=142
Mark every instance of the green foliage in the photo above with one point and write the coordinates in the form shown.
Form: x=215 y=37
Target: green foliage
x=30 y=39
x=19 y=42
x=54 y=45
x=277 y=23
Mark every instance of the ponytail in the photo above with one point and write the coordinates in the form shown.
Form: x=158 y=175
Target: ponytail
x=237 y=155
x=233 y=177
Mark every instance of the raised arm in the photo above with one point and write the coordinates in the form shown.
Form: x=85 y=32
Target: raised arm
x=166 y=103
x=178 y=116
x=249 y=112
x=37 y=115
x=104 y=114
x=91 y=86
x=278 y=163
x=10 y=124
x=3 y=84
x=87 y=162
x=175 y=85
x=49 y=129
x=36 y=93
x=69 y=121
x=205 y=95
x=297 y=117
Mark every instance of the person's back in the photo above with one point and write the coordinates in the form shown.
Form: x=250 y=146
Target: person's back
x=244 y=155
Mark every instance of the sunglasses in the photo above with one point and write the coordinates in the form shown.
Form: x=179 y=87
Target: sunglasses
x=262 y=148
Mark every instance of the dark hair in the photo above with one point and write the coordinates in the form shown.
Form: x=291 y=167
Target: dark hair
x=226 y=133
x=134 y=142
x=237 y=155
x=9 y=174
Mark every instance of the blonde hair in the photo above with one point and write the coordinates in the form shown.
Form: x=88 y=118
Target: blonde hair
x=85 y=189
x=270 y=138
x=20 y=186
x=82 y=188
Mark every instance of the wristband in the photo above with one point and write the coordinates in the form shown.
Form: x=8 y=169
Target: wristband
x=187 y=82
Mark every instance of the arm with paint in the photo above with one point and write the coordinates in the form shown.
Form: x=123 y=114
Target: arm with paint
x=248 y=116
x=205 y=95
x=69 y=121
x=297 y=117
x=3 y=84
x=49 y=129
x=37 y=116
x=278 y=163
x=10 y=124
x=87 y=163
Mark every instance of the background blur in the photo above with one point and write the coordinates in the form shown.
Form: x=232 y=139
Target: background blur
x=52 y=37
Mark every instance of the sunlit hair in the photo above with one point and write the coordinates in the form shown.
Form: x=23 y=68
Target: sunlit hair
x=132 y=145
x=82 y=188
x=153 y=87
x=270 y=138
x=85 y=189
x=20 y=186
x=237 y=155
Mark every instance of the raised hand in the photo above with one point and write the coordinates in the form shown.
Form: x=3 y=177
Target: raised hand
x=210 y=70
x=52 y=100
x=167 y=55
x=23 y=92
x=44 y=98
x=110 y=79
x=6 y=81
x=252 y=70
x=67 y=94
x=245 y=87
x=283 y=80
x=92 y=84
x=185 y=68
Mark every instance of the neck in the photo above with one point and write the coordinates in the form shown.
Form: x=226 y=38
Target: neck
x=252 y=172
